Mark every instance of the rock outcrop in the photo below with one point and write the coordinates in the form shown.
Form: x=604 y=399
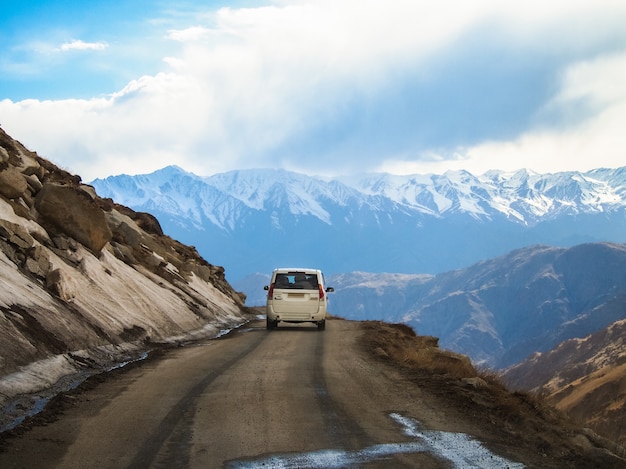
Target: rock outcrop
x=74 y=212
x=85 y=282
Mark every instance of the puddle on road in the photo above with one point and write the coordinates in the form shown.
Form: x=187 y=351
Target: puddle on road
x=458 y=449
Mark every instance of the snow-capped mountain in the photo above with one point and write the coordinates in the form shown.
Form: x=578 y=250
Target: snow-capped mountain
x=253 y=220
x=523 y=196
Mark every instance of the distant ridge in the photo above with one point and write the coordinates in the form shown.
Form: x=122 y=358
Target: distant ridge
x=252 y=220
x=499 y=311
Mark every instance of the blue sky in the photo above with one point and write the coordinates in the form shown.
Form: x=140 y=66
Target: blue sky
x=322 y=87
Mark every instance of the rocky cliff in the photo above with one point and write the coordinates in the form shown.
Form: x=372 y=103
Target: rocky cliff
x=86 y=283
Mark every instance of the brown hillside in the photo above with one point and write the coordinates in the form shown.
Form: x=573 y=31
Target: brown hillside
x=586 y=378
x=498 y=416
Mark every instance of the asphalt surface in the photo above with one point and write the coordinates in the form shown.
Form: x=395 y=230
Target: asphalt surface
x=291 y=397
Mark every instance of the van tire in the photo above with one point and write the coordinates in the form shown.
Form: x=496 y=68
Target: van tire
x=271 y=324
x=321 y=325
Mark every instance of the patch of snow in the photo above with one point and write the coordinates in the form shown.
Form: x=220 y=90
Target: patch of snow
x=107 y=297
x=27 y=391
x=457 y=449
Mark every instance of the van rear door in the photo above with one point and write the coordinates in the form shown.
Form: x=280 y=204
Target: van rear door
x=296 y=293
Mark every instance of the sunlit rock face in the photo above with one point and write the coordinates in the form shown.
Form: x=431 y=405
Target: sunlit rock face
x=86 y=282
x=75 y=213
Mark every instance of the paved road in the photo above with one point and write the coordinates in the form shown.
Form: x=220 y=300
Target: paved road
x=293 y=397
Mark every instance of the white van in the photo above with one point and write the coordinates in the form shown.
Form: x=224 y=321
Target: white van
x=297 y=295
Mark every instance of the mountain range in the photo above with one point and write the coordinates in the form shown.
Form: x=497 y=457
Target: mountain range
x=254 y=220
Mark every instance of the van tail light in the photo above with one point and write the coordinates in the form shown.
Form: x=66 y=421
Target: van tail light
x=270 y=292
x=321 y=292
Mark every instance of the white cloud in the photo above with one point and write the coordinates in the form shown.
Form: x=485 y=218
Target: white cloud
x=193 y=33
x=245 y=81
x=599 y=81
x=598 y=140
x=77 y=44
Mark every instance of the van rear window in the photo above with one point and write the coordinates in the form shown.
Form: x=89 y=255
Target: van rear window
x=296 y=281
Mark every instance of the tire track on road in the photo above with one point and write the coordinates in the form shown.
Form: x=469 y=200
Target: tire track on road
x=339 y=425
x=177 y=426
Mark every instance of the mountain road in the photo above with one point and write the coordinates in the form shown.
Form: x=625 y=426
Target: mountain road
x=291 y=397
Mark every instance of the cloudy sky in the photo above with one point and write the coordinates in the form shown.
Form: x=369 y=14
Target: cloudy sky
x=322 y=87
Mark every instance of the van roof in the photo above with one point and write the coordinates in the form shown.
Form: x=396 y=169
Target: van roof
x=297 y=269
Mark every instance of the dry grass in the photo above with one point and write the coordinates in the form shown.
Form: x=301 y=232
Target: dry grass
x=400 y=344
x=519 y=419
x=426 y=362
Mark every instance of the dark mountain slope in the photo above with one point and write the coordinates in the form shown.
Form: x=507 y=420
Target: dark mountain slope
x=502 y=310
x=584 y=377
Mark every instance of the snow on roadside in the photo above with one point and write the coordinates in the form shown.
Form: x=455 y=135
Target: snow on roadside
x=27 y=391
x=457 y=449
x=110 y=313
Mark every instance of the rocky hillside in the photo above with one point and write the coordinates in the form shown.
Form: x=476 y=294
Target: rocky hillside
x=501 y=310
x=87 y=283
x=585 y=377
